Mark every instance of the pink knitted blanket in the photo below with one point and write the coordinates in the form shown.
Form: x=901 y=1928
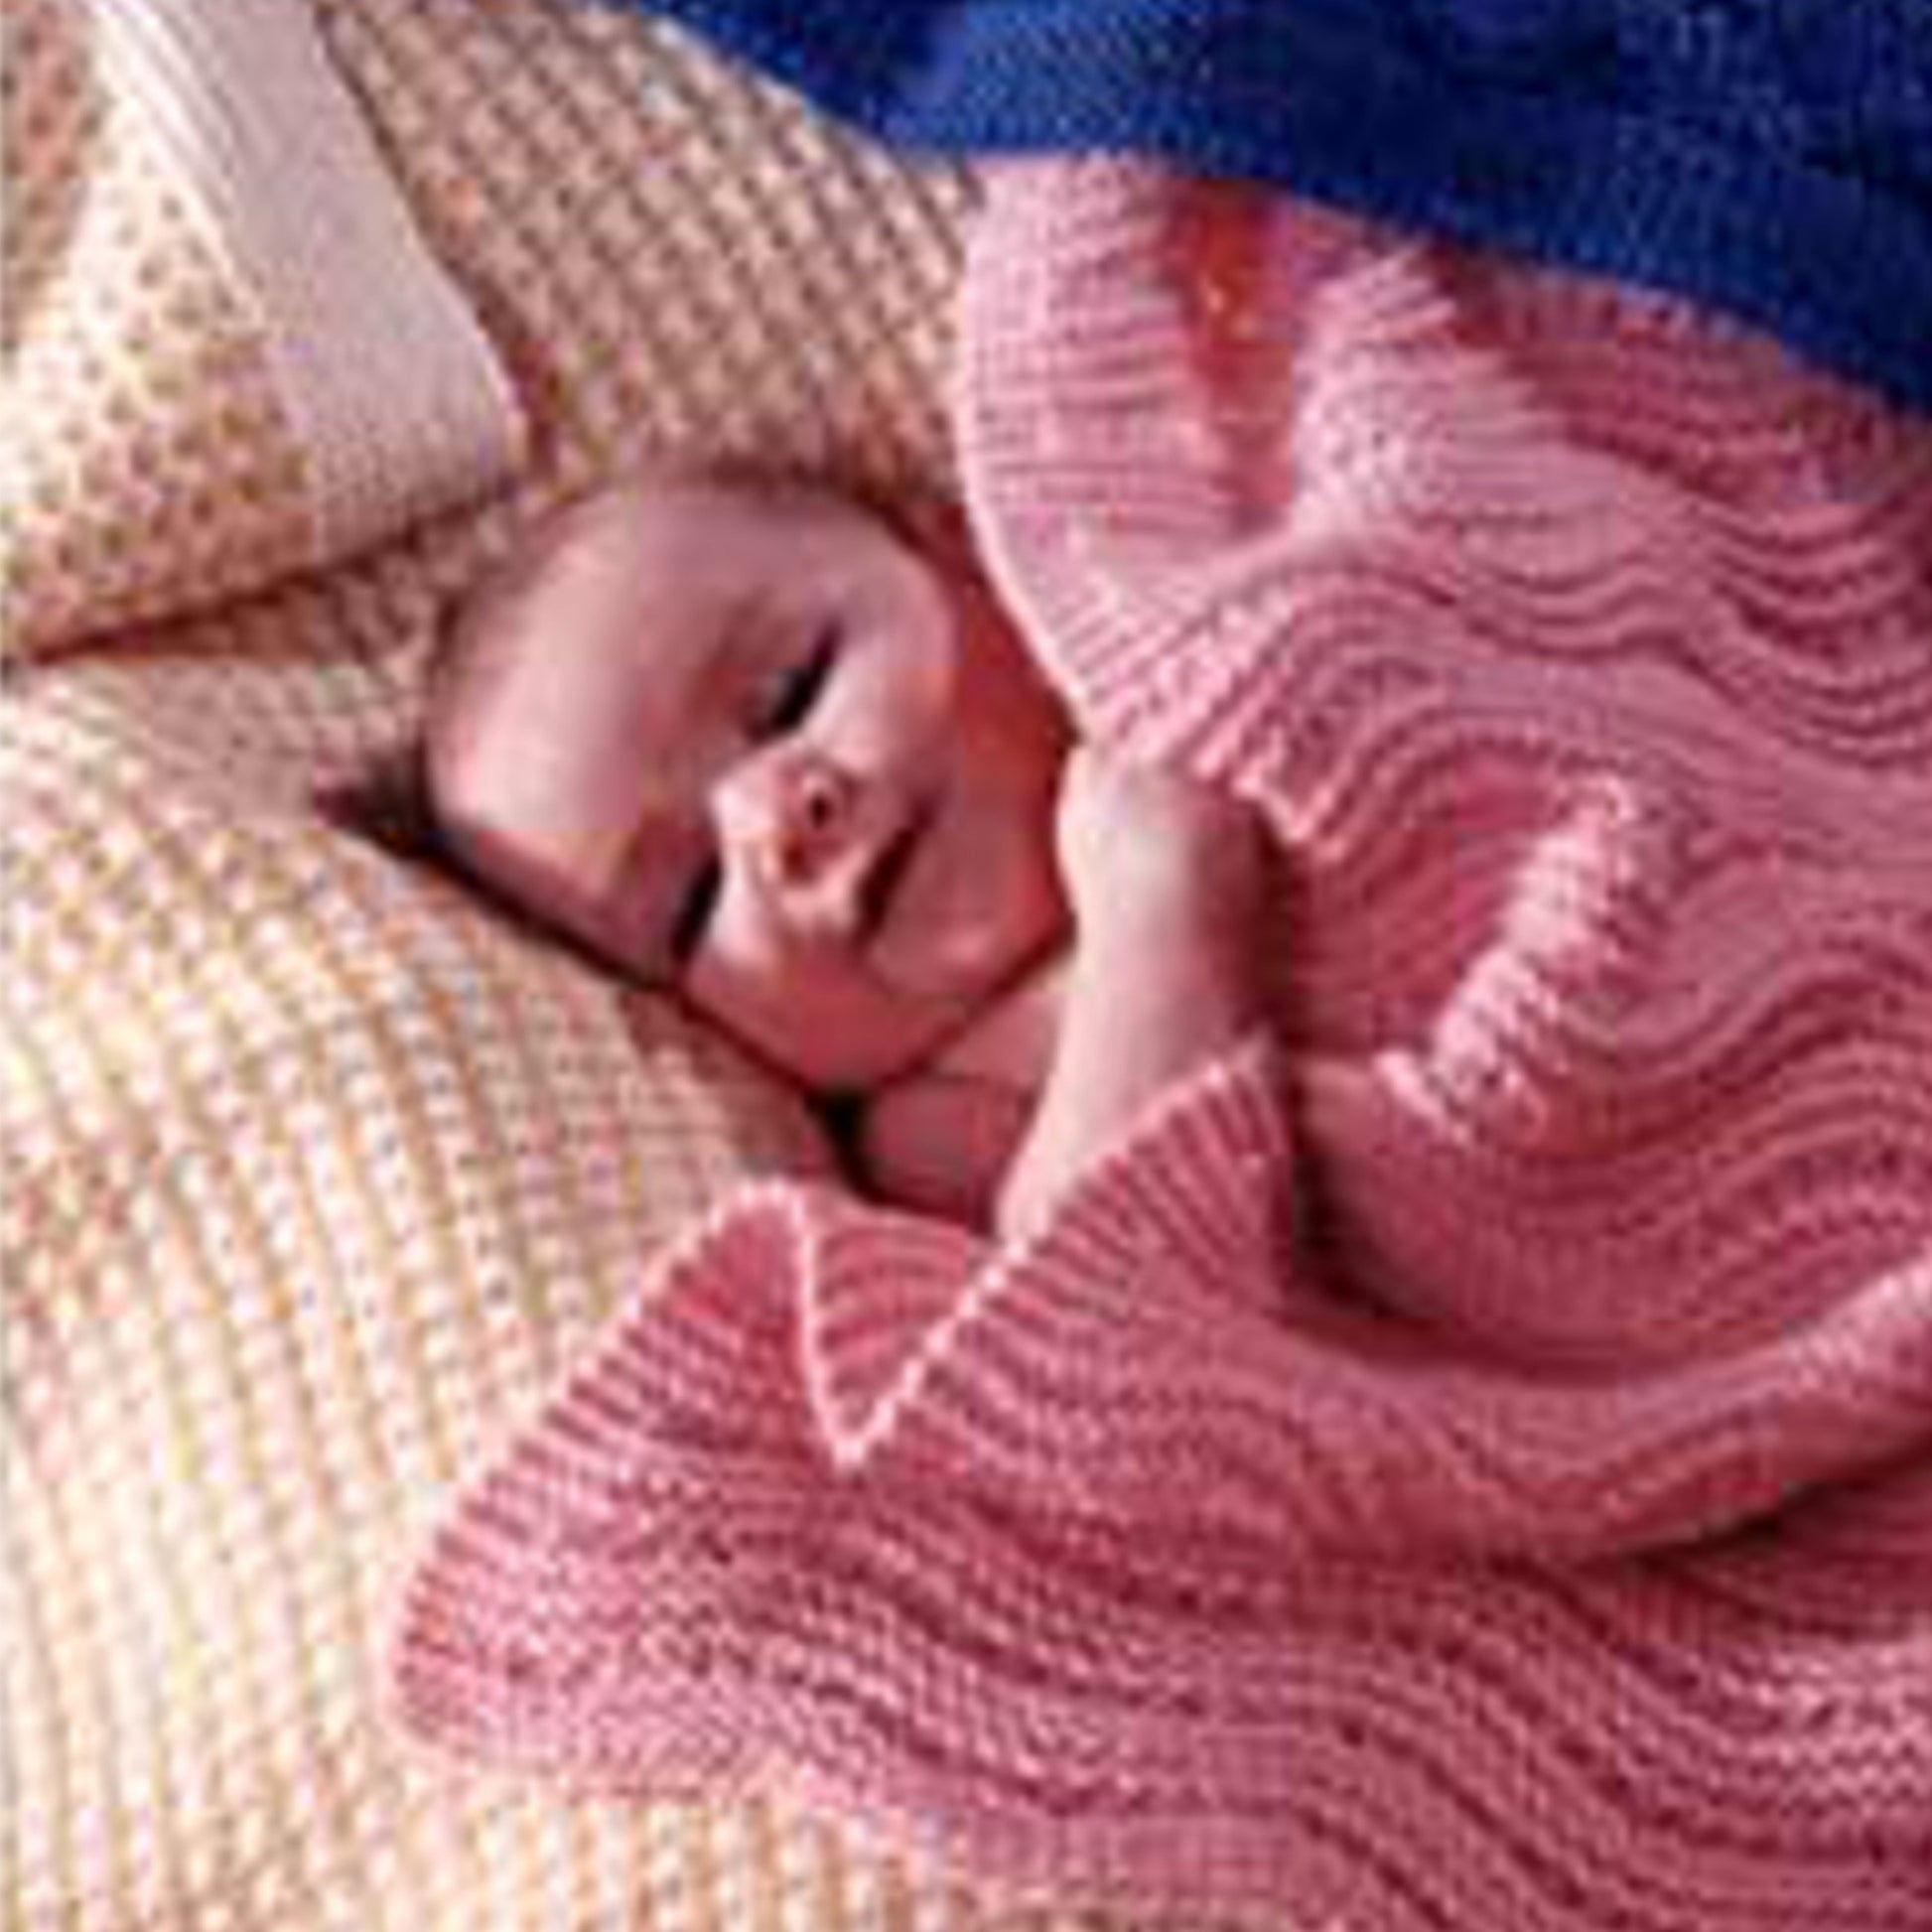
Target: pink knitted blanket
x=1466 y=1459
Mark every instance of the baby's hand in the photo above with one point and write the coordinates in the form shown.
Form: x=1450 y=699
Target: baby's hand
x=1151 y=856
x=1166 y=880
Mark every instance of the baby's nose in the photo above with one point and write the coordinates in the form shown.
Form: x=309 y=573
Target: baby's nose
x=793 y=813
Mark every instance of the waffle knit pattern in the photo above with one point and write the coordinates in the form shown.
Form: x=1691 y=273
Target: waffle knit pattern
x=1465 y=1458
x=1770 y=158
x=316 y=1173
x=228 y=355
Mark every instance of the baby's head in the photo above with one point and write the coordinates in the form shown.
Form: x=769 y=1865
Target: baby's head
x=744 y=742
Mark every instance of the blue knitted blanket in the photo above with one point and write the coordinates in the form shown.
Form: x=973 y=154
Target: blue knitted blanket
x=1770 y=159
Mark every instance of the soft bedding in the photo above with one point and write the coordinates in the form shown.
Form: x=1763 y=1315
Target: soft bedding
x=1770 y=159
x=229 y=354
x=1465 y=1458
x=319 y=1177
x=316 y=1173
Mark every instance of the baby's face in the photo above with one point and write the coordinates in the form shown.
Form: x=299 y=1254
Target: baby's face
x=758 y=748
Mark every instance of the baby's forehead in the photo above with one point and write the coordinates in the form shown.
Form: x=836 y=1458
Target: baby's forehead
x=673 y=586
x=681 y=569
x=689 y=570
x=681 y=516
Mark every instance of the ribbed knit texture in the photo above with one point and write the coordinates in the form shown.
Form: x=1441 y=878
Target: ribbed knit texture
x=1465 y=1460
x=1770 y=158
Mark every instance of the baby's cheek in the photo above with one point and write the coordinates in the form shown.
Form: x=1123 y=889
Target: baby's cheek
x=742 y=959
x=925 y=639
x=742 y=1005
x=890 y=715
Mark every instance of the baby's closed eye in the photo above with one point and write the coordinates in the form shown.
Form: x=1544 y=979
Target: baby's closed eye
x=785 y=699
x=781 y=702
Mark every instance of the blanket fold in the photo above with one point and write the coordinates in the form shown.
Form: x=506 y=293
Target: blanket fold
x=230 y=354
x=1467 y=1459
x=1771 y=159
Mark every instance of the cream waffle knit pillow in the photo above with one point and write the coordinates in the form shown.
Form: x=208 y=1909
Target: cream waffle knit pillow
x=227 y=354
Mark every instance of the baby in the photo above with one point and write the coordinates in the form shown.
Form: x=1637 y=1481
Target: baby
x=747 y=743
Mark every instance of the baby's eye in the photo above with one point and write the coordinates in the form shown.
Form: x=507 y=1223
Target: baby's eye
x=794 y=694
x=694 y=911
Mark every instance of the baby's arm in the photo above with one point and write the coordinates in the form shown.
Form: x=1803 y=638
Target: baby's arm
x=941 y=1145
x=1166 y=880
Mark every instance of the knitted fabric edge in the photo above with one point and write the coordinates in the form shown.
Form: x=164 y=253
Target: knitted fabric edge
x=1556 y=143
x=371 y=345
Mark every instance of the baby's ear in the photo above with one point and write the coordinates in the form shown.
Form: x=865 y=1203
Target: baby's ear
x=386 y=803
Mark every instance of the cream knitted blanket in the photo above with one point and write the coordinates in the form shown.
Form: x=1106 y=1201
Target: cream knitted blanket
x=1465 y=1461
x=227 y=354
x=312 y=1170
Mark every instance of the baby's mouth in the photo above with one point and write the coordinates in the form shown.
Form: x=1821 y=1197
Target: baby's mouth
x=889 y=869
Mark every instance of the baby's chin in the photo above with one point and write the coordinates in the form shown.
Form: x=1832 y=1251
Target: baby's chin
x=964 y=984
